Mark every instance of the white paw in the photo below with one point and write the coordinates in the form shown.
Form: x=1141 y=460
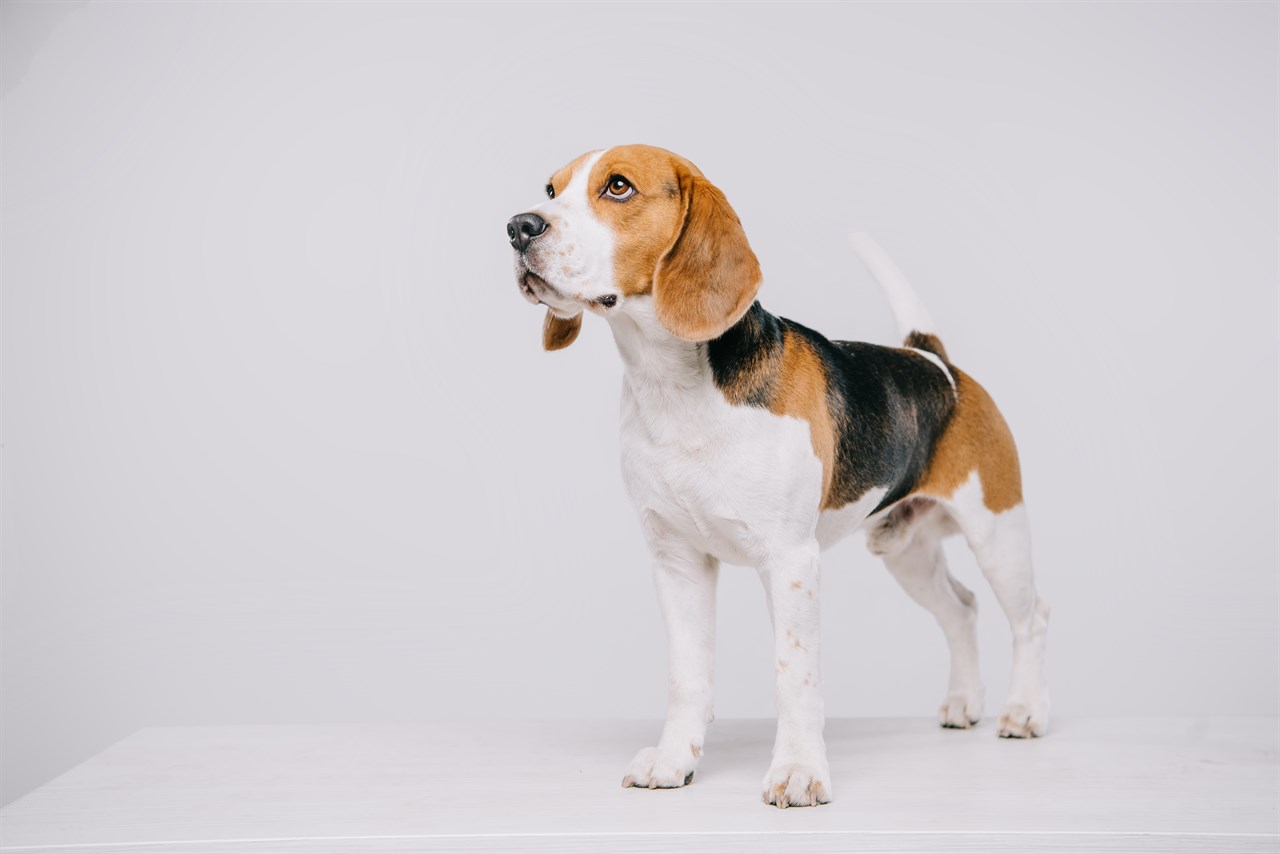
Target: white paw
x=656 y=769
x=1023 y=720
x=960 y=712
x=796 y=785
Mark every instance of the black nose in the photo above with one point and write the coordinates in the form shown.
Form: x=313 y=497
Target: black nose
x=523 y=228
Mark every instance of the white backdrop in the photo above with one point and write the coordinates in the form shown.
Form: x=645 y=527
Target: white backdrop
x=280 y=444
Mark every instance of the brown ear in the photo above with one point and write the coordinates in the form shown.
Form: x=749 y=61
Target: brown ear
x=709 y=277
x=558 y=333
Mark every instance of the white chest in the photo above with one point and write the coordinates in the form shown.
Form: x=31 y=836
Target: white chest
x=734 y=481
x=729 y=479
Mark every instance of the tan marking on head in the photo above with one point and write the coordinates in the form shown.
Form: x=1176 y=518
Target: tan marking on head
x=645 y=225
x=975 y=439
x=678 y=239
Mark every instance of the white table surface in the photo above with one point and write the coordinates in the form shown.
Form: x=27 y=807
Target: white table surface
x=1119 y=784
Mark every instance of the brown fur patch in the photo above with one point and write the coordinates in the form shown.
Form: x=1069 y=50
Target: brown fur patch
x=801 y=392
x=791 y=381
x=558 y=333
x=677 y=238
x=709 y=277
x=976 y=439
x=645 y=225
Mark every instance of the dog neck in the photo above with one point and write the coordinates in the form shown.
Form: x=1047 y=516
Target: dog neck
x=668 y=368
x=654 y=360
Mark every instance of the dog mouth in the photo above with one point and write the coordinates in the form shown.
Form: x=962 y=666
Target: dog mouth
x=533 y=286
x=538 y=291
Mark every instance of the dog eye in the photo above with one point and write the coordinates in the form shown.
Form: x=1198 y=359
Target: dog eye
x=619 y=188
x=551 y=192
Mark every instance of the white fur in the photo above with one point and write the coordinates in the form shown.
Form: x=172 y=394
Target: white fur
x=575 y=254
x=908 y=311
x=687 y=451
x=714 y=482
x=914 y=556
x=835 y=525
x=1001 y=543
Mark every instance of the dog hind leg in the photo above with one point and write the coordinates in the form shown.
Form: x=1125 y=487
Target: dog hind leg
x=1001 y=542
x=909 y=539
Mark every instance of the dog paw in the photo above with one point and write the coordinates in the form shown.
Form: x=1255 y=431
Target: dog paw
x=796 y=785
x=1023 y=720
x=959 y=712
x=655 y=769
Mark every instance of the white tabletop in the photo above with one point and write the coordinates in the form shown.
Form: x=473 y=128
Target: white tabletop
x=1121 y=784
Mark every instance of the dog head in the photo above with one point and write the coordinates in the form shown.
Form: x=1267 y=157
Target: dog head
x=631 y=222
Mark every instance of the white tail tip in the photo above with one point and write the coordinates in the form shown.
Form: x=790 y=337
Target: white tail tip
x=908 y=311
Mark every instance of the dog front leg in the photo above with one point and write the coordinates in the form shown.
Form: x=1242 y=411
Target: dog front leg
x=799 y=774
x=686 y=582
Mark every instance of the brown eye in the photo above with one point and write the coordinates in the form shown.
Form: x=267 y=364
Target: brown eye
x=551 y=192
x=619 y=188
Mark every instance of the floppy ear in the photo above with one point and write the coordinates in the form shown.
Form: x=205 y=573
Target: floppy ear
x=709 y=277
x=558 y=333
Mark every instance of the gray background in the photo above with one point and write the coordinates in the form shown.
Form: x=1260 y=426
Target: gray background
x=280 y=444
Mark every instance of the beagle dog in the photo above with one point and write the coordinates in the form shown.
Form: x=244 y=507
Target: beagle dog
x=750 y=439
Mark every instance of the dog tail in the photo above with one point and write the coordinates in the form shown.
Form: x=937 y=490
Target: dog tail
x=914 y=323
